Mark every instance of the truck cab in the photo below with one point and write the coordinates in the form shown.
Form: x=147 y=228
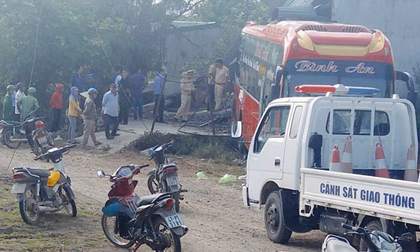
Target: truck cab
x=288 y=165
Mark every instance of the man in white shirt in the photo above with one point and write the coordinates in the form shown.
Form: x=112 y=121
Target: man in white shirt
x=110 y=111
x=19 y=95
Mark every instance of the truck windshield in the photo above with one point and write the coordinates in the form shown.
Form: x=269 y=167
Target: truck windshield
x=330 y=72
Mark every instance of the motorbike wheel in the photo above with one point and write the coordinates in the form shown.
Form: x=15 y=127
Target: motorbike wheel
x=28 y=206
x=111 y=229
x=153 y=184
x=161 y=226
x=372 y=225
x=40 y=149
x=69 y=204
x=275 y=225
x=176 y=199
x=7 y=139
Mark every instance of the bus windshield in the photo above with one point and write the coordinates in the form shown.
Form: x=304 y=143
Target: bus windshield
x=330 y=72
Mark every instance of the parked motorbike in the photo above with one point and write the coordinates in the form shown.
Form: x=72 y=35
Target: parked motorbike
x=129 y=219
x=376 y=241
x=164 y=178
x=39 y=191
x=13 y=134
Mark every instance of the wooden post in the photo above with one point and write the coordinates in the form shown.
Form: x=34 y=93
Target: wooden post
x=158 y=105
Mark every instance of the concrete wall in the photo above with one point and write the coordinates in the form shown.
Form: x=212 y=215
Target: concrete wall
x=399 y=20
x=183 y=47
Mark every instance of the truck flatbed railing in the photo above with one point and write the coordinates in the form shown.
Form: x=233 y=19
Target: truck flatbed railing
x=379 y=197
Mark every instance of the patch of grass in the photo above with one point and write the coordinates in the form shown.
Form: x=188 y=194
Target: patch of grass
x=54 y=232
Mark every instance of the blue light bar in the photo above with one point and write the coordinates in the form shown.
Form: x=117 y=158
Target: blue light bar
x=363 y=90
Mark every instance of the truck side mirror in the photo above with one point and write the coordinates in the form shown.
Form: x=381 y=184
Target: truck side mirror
x=236 y=129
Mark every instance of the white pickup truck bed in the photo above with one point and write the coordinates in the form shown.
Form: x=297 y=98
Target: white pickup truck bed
x=379 y=197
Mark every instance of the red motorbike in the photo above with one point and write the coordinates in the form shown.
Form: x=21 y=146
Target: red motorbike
x=129 y=219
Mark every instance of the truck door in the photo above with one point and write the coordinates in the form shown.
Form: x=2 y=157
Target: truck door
x=267 y=159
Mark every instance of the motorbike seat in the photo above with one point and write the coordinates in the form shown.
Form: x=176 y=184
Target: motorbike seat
x=334 y=243
x=40 y=172
x=13 y=123
x=144 y=200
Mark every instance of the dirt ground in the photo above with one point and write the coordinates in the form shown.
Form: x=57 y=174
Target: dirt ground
x=214 y=213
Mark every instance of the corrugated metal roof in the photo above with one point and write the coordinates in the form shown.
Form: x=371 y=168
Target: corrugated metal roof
x=297 y=3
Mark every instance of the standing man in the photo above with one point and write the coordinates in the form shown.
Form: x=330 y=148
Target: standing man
x=110 y=111
x=138 y=84
x=27 y=106
x=219 y=77
x=19 y=95
x=77 y=79
x=9 y=104
x=89 y=119
x=56 y=104
x=159 y=95
x=118 y=77
x=187 y=88
x=124 y=98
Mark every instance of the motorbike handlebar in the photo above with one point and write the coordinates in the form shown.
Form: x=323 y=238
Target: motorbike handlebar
x=163 y=146
x=62 y=150
x=359 y=230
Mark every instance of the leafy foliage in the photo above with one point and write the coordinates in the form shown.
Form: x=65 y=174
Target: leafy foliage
x=43 y=41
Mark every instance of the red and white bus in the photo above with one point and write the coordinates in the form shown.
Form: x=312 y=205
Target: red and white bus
x=275 y=58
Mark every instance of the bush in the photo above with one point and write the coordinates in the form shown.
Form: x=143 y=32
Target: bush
x=219 y=149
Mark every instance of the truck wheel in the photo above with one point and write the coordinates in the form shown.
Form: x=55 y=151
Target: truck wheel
x=274 y=219
x=372 y=225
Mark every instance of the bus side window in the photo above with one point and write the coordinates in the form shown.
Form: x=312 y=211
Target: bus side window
x=273 y=126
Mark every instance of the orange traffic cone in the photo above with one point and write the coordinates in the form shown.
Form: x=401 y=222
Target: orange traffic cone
x=347 y=160
x=410 y=173
x=381 y=169
x=335 y=160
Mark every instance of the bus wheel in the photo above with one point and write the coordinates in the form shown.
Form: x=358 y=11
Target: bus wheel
x=275 y=225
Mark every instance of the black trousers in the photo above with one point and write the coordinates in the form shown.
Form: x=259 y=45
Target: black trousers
x=124 y=111
x=55 y=122
x=160 y=109
x=108 y=121
x=29 y=127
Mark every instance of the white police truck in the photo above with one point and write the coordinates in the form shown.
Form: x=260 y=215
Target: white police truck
x=289 y=159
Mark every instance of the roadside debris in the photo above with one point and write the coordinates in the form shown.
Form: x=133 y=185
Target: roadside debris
x=201 y=175
x=227 y=178
x=243 y=177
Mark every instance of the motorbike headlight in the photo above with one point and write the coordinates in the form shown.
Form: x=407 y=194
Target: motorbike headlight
x=375 y=240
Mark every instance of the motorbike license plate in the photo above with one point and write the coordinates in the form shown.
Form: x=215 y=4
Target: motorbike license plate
x=172 y=181
x=174 y=221
x=42 y=140
x=18 y=188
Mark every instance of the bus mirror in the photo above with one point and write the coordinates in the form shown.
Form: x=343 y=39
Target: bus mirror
x=274 y=92
x=409 y=82
x=236 y=129
x=279 y=72
x=412 y=96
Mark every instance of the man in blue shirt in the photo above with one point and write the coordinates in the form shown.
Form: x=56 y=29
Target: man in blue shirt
x=77 y=78
x=159 y=95
x=110 y=111
x=138 y=83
